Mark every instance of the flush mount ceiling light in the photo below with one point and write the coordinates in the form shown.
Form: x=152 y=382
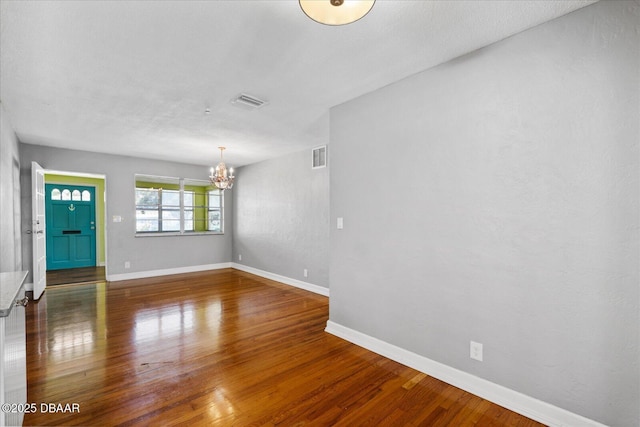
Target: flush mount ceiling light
x=220 y=176
x=336 y=12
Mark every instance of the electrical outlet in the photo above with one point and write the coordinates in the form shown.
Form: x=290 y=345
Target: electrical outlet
x=127 y=264
x=305 y=272
x=239 y=257
x=340 y=223
x=475 y=350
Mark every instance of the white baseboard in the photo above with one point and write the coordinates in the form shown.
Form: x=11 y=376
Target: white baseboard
x=166 y=271
x=528 y=406
x=286 y=280
x=28 y=287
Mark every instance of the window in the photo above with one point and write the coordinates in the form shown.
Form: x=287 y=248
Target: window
x=177 y=206
x=85 y=196
x=188 y=211
x=157 y=209
x=203 y=199
x=214 y=210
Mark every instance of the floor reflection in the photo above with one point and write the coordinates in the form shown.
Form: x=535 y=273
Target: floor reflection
x=220 y=407
x=73 y=341
x=177 y=320
x=163 y=323
x=71 y=324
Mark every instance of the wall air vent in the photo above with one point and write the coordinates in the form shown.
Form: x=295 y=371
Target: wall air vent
x=319 y=157
x=248 y=101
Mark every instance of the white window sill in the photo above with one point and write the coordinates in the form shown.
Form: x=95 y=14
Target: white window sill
x=177 y=233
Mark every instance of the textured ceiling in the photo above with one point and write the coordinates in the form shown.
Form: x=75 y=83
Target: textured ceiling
x=135 y=77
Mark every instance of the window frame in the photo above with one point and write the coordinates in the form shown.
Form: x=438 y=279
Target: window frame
x=219 y=209
x=182 y=208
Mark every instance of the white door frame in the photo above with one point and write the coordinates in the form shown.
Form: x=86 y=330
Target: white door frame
x=42 y=255
x=104 y=219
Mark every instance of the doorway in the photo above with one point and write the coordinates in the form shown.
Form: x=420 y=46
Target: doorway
x=76 y=227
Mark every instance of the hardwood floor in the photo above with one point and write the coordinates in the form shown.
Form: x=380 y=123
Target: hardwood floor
x=221 y=348
x=75 y=275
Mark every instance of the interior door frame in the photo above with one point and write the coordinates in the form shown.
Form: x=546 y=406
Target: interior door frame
x=100 y=237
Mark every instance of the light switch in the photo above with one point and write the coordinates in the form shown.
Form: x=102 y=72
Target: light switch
x=117 y=218
x=340 y=224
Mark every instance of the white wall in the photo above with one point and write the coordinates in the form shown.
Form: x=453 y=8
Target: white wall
x=146 y=254
x=10 y=222
x=495 y=198
x=281 y=218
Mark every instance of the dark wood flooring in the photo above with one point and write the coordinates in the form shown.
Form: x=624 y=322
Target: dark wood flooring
x=221 y=348
x=75 y=275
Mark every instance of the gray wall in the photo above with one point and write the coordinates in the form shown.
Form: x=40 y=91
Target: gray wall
x=495 y=198
x=144 y=253
x=281 y=220
x=10 y=240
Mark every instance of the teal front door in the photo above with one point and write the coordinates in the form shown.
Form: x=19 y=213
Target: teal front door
x=71 y=226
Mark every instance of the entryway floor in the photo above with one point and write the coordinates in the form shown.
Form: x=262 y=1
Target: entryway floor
x=75 y=275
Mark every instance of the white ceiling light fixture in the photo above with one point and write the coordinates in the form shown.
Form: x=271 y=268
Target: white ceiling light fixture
x=220 y=176
x=336 y=12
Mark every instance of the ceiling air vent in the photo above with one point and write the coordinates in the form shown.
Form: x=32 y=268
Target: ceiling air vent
x=248 y=101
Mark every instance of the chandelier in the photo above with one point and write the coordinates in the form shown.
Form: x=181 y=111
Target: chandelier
x=336 y=12
x=220 y=176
